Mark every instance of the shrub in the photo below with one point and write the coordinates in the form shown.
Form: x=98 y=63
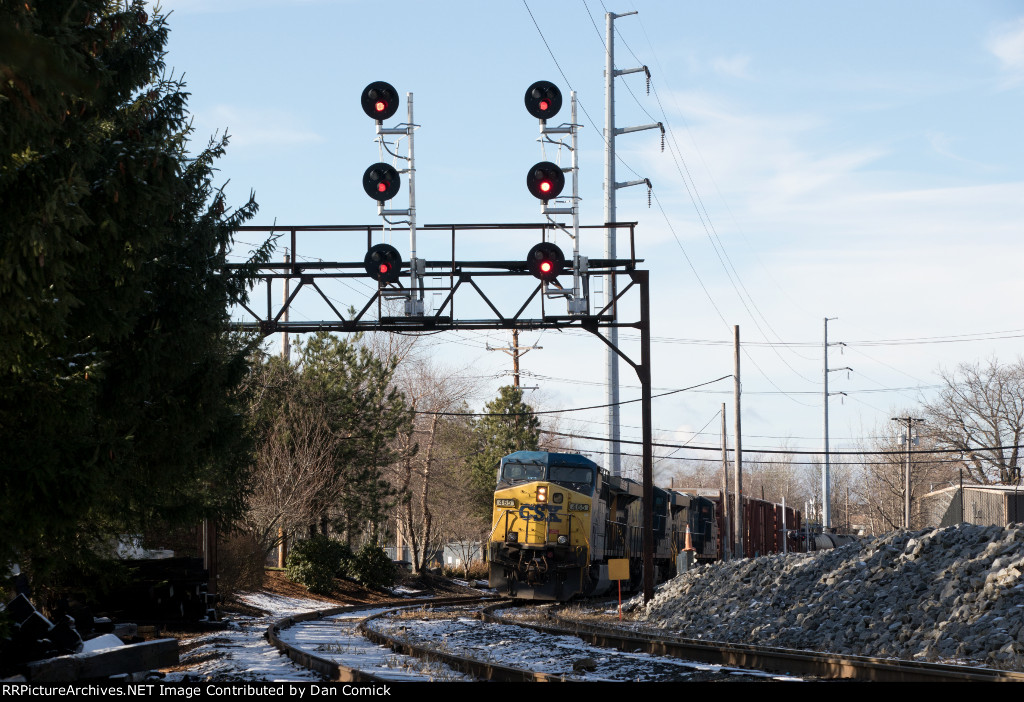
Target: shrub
x=240 y=563
x=316 y=561
x=474 y=570
x=373 y=568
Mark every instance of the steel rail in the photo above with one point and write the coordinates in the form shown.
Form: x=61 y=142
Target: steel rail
x=481 y=670
x=330 y=669
x=792 y=661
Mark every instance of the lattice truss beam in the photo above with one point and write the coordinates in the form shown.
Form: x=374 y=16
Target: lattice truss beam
x=466 y=294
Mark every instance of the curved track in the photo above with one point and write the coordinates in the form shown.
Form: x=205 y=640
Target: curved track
x=328 y=633
x=310 y=640
x=791 y=661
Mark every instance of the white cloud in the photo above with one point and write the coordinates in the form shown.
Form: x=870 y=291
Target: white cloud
x=261 y=128
x=734 y=66
x=1007 y=44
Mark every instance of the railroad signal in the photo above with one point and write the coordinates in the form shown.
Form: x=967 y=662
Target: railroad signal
x=543 y=99
x=383 y=263
x=545 y=261
x=379 y=100
x=545 y=180
x=381 y=182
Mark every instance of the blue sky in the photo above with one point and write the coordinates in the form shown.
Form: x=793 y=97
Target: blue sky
x=862 y=161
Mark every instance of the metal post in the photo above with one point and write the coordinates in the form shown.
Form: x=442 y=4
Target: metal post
x=725 y=539
x=612 y=362
x=644 y=371
x=826 y=493
x=416 y=295
x=515 y=358
x=737 y=512
x=575 y=209
x=286 y=348
x=785 y=528
x=906 y=487
x=906 y=476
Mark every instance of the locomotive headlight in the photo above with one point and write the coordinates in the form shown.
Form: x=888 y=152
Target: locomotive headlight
x=557 y=498
x=542 y=493
x=563 y=540
x=512 y=537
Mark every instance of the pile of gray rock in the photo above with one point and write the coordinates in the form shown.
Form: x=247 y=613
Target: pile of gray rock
x=951 y=594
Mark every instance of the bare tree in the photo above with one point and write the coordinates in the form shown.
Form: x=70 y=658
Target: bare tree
x=432 y=452
x=293 y=471
x=883 y=476
x=980 y=412
x=774 y=477
x=689 y=473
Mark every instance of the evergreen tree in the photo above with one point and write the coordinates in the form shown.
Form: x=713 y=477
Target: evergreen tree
x=508 y=425
x=366 y=413
x=118 y=382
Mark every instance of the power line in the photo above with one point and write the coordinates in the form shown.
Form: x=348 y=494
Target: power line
x=561 y=411
x=790 y=452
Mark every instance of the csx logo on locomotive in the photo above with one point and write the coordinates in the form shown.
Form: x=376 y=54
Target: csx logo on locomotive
x=541 y=513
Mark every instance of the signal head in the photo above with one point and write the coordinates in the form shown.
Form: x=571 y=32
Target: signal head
x=383 y=263
x=543 y=99
x=545 y=180
x=381 y=182
x=379 y=100
x=545 y=261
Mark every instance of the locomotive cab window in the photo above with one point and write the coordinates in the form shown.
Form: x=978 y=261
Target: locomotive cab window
x=577 y=478
x=518 y=472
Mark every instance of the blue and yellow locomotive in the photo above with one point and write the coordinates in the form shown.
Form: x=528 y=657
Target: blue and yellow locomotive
x=558 y=519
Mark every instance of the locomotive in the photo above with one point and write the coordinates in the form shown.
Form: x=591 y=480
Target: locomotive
x=558 y=519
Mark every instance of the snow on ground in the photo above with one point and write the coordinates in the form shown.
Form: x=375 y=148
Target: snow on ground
x=240 y=652
x=567 y=656
x=336 y=639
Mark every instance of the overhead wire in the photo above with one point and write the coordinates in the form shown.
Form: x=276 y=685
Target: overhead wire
x=571 y=409
x=704 y=216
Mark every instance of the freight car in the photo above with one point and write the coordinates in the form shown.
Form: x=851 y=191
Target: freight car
x=558 y=519
x=767 y=526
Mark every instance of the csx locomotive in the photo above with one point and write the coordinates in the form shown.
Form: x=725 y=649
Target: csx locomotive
x=558 y=519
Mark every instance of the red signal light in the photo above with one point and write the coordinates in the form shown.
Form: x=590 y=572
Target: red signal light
x=545 y=180
x=379 y=100
x=383 y=263
x=381 y=182
x=543 y=99
x=545 y=261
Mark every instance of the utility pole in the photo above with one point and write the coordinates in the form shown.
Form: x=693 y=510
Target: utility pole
x=737 y=512
x=610 y=186
x=725 y=540
x=906 y=474
x=826 y=478
x=515 y=351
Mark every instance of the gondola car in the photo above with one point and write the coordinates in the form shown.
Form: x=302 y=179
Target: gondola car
x=558 y=519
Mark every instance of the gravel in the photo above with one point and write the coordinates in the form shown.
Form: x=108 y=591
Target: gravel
x=950 y=594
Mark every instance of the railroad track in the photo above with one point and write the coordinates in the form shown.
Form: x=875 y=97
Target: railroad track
x=313 y=648
x=317 y=640
x=791 y=661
